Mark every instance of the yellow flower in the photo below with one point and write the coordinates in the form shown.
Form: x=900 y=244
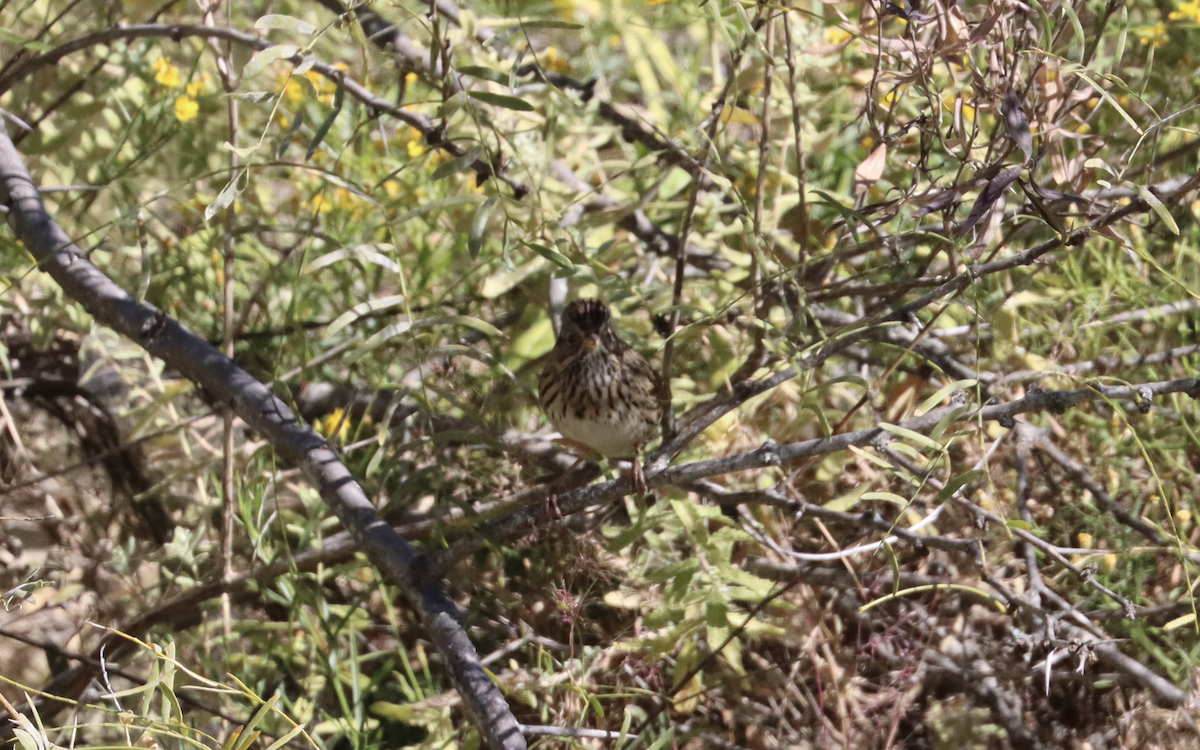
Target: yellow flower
x=1156 y=35
x=415 y=147
x=555 y=61
x=835 y=35
x=1189 y=11
x=410 y=78
x=186 y=108
x=335 y=420
x=165 y=73
x=293 y=92
x=892 y=97
x=199 y=85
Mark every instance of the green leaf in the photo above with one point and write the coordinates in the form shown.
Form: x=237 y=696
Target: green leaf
x=1179 y=622
x=936 y=399
x=907 y=434
x=487 y=74
x=1107 y=96
x=360 y=310
x=501 y=100
x=224 y=199
x=955 y=484
x=484 y=327
x=29 y=44
x=452 y=105
x=286 y=140
x=285 y=739
x=457 y=164
x=248 y=733
x=241 y=152
x=265 y=57
x=257 y=97
x=1157 y=206
x=284 y=23
x=319 y=136
x=551 y=255
x=1073 y=17
x=479 y=226
x=551 y=24
x=847 y=501
x=887 y=497
x=435 y=205
x=363 y=253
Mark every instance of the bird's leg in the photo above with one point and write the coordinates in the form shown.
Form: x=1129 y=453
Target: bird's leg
x=550 y=508
x=639 y=479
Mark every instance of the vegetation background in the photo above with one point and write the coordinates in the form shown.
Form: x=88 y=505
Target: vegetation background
x=893 y=215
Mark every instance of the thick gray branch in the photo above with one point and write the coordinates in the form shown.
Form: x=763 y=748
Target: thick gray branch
x=251 y=400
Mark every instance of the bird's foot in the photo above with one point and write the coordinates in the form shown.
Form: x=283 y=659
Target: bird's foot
x=639 y=479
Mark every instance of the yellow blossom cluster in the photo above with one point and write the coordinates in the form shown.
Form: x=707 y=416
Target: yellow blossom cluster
x=1188 y=11
x=415 y=147
x=293 y=92
x=167 y=75
x=1154 y=35
x=554 y=60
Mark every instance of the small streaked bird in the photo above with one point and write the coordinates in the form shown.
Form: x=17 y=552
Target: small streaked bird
x=597 y=391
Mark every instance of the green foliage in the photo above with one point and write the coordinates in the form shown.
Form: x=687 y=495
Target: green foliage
x=394 y=230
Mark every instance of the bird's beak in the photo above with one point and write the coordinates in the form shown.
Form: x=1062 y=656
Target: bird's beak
x=591 y=341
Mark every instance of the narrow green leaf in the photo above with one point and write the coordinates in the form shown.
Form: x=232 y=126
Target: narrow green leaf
x=477 y=324
x=887 y=497
x=241 y=152
x=1157 y=206
x=29 y=44
x=551 y=255
x=1123 y=25
x=955 y=484
x=319 y=136
x=248 y=733
x=257 y=97
x=847 y=501
x=487 y=74
x=1076 y=26
x=265 y=57
x=501 y=100
x=223 y=200
x=285 y=23
x=435 y=205
x=285 y=739
x=479 y=226
x=935 y=587
x=1179 y=622
x=895 y=562
x=360 y=310
x=551 y=24
x=457 y=164
x=910 y=435
x=941 y=395
x=452 y=105
x=1109 y=98
x=297 y=123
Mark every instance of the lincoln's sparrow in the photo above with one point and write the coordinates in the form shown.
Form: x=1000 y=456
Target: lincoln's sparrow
x=597 y=391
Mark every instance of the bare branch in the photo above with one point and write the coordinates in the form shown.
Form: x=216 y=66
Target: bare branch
x=251 y=400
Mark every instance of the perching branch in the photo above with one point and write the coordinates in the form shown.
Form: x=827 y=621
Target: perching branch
x=521 y=522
